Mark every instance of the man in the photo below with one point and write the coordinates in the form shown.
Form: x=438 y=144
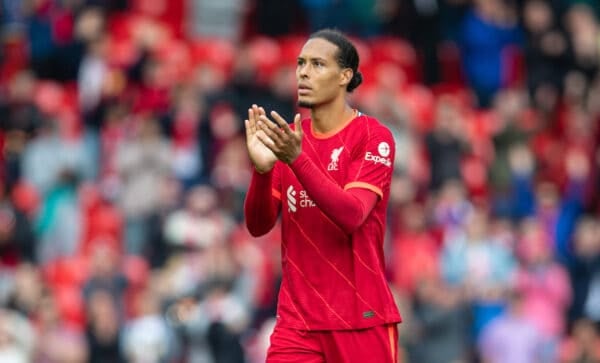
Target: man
x=329 y=176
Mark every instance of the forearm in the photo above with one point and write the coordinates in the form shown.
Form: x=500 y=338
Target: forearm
x=347 y=209
x=260 y=207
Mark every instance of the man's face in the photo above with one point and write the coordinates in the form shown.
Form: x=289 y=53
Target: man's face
x=320 y=78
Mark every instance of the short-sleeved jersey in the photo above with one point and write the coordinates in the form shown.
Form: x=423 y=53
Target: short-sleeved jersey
x=333 y=280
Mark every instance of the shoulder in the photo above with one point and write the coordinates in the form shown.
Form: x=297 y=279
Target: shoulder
x=374 y=129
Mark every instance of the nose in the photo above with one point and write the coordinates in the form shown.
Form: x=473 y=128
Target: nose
x=301 y=71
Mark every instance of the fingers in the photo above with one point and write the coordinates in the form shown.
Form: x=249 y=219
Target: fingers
x=274 y=133
x=298 y=126
x=251 y=127
x=281 y=122
x=266 y=140
x=254 y=113
x=249 y=133
x=271 y=130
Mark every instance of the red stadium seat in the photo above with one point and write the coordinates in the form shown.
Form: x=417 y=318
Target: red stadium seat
x=398 y=51
x=266 y=54
x=450 y=64
x=122 y=52
x=176 y=58
x=290 y=48
x=70 y=304
x=364 y=52
x=421 y=102
x=66 y=271
x=214 y=51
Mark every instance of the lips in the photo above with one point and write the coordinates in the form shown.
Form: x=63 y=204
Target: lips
x=303 y=89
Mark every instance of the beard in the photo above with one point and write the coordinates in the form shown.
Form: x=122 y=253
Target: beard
x=305 y=104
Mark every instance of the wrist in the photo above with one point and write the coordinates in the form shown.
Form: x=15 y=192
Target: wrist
x=262 y=171
x=298 y=160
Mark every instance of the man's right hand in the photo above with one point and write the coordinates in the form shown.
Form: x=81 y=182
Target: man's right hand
x=260 y=155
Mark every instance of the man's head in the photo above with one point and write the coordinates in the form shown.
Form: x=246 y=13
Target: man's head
x=327 y=68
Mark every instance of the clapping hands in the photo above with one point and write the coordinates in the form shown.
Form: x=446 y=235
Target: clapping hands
x=269 y=140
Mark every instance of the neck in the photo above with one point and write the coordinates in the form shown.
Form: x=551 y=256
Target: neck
x=331 y=117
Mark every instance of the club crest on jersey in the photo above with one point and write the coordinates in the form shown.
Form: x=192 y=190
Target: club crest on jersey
x=335 y=158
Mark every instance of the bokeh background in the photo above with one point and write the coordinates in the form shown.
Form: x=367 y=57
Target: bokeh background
x=123 y=170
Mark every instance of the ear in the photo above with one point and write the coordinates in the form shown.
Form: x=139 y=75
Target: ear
x=346 y=76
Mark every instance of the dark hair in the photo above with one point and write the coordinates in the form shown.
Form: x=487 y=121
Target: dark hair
x=347 y=56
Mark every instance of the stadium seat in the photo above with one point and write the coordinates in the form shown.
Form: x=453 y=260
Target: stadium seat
x=398 y=51
x=213 y=51
x=266 y=54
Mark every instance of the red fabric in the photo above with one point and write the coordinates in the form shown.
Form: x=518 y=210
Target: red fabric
x=331 y=279
x=153 y=99
x=377 y=344
x=347 y=209
x=260 y=208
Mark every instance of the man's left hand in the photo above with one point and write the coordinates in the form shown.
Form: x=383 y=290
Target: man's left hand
x=285 y=143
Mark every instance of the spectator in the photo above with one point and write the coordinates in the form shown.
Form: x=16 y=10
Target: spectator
x=446 y=144
x=50 y=156
x=21 y=119
x=142 y=164
x=17 y=338
x=414 y=239
x=478 y=266
x=27 y=291
x=103 y=331
x=584 y=269
x=441 y=321
x=486 y=32
x=583 y=345
x=544 y=286
x=511 y=337
x=58 y=341
x=106 y=275
x=58 y=226
x=147 y=338
x=201 y=224
x=583 y=30
x=547 y=47
x=17 y=241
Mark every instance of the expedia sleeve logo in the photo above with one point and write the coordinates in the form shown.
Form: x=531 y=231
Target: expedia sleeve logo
x=383 y=149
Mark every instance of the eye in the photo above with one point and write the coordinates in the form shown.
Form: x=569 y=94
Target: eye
x=300 y=62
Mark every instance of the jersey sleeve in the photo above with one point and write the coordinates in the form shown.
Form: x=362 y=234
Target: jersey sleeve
x=262 y=202
x=276 y=181
x=372 y=160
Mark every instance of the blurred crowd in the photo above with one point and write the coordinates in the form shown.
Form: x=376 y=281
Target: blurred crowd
x=123 y=170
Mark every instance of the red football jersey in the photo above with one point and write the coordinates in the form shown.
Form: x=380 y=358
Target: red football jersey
x=333 y=280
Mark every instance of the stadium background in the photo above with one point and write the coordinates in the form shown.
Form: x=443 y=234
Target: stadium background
x=123 y=170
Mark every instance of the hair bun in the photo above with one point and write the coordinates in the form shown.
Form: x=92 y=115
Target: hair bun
x=356 y=80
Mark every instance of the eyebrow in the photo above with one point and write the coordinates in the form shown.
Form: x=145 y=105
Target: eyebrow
x=312 y=58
